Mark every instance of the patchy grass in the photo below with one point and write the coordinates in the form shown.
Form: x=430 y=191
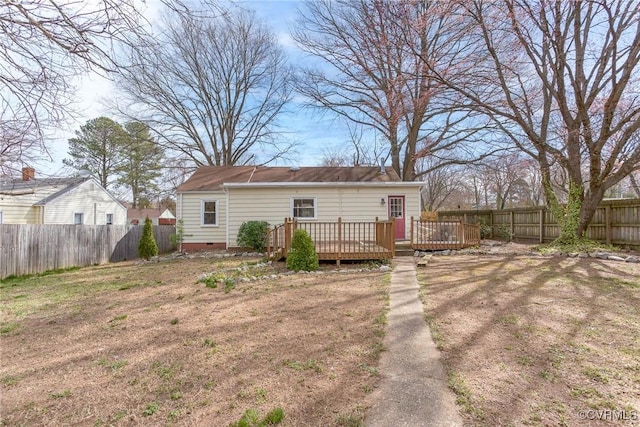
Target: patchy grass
x=148 y=344
x=537 y=340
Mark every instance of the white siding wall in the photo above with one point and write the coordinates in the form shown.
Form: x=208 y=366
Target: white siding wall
x=189 y=211
x=350 y=203
x=89 y=199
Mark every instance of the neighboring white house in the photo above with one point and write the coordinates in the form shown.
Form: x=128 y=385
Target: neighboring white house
x=157 y=216
x=216 y=200
x=82 y=200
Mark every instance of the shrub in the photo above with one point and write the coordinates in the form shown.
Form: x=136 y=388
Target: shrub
x=253 y=234
x=147 y=247
x=302 y=255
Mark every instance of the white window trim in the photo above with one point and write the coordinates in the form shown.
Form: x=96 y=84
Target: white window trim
x=202 y=202
x=106 y=218
x=315 y=207
x=74 y=218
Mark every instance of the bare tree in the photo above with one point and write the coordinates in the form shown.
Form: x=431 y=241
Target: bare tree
x=440 y=183
x=561 y=82
x=44 y=45
x=635 y=183
x=212 y=88
x=372 y=76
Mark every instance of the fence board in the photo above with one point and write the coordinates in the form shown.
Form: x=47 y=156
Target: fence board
x=615 y=222
x=35 y=248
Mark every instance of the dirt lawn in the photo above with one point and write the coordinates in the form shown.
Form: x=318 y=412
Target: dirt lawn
x=537 y=341
x=128 y=344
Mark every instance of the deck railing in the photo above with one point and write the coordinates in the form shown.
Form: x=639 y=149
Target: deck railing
x=439 y=235
x=336 y=240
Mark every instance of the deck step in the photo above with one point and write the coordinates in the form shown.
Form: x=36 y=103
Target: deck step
x=404 y=251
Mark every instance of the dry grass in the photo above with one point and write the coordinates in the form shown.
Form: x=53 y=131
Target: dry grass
x=126 y=344
x=538 y=341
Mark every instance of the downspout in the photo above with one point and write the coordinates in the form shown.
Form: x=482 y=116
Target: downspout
x=178 y=219
x=226 y=215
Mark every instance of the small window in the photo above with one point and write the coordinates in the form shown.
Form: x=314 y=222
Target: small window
x=0 y=217
x=109 y=220
x=209 y=210
x=304 y=208
x=78 y=218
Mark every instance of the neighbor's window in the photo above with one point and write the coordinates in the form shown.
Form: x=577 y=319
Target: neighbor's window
x=109 y=220
x=209 y=210
x=304 y=208
x=0 y=217
x=78 y=218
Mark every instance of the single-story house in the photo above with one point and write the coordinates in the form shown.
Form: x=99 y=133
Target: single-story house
x=81 y=200
x=157 y=216
x=216 y=200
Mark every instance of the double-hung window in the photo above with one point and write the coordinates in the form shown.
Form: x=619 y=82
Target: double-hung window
x=109 y=219
x=78 y=218
x=303 y=207
x=209 y=212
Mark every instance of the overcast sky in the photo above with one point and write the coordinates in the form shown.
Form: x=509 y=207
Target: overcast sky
x=315 y=132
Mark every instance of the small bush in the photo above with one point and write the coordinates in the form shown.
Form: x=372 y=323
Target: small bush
x=302 y=255
x=147 y=247
x=253 y=234
x=485 y=231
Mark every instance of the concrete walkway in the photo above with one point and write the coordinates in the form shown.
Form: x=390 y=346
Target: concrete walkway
x=414 y=388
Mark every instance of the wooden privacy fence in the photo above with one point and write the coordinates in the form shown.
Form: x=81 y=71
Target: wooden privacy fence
x=36 y=248
x=441 y=235
x=336 y=240
x=615 y=222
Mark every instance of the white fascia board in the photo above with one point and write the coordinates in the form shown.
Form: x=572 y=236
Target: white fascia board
x=323 y=184
x=201 y=192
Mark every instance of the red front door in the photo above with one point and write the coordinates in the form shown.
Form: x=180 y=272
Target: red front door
x=396 y=211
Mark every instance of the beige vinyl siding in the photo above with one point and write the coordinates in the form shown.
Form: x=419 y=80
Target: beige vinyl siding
x=19 y=209
x=89 y=199
x=350 y=203
x=19 y=214
x=190 y=213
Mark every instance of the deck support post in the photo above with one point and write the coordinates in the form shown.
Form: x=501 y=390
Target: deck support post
x=411 y=232
x=339 y=241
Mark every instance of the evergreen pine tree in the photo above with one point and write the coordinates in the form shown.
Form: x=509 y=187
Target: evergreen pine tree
x=147 y=247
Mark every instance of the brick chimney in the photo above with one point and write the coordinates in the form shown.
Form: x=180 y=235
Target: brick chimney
x=28 y=173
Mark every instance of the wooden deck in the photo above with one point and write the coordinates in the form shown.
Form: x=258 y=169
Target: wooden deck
x=442 y=235
x=336 y=241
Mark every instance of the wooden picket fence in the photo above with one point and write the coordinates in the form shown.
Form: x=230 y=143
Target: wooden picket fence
x=36 y=248
x=616 y=222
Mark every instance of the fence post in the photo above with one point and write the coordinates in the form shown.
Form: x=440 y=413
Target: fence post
x=541 y=221
x=491 y=224
x=339 y=240
x=513 y=234
x=607 y=224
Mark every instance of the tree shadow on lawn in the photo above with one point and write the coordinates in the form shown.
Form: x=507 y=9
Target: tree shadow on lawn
x=537 y=340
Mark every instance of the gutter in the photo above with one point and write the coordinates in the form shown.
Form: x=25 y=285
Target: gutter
x=321 y=184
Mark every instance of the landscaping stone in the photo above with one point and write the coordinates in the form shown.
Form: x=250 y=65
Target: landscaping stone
x=616 y=258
